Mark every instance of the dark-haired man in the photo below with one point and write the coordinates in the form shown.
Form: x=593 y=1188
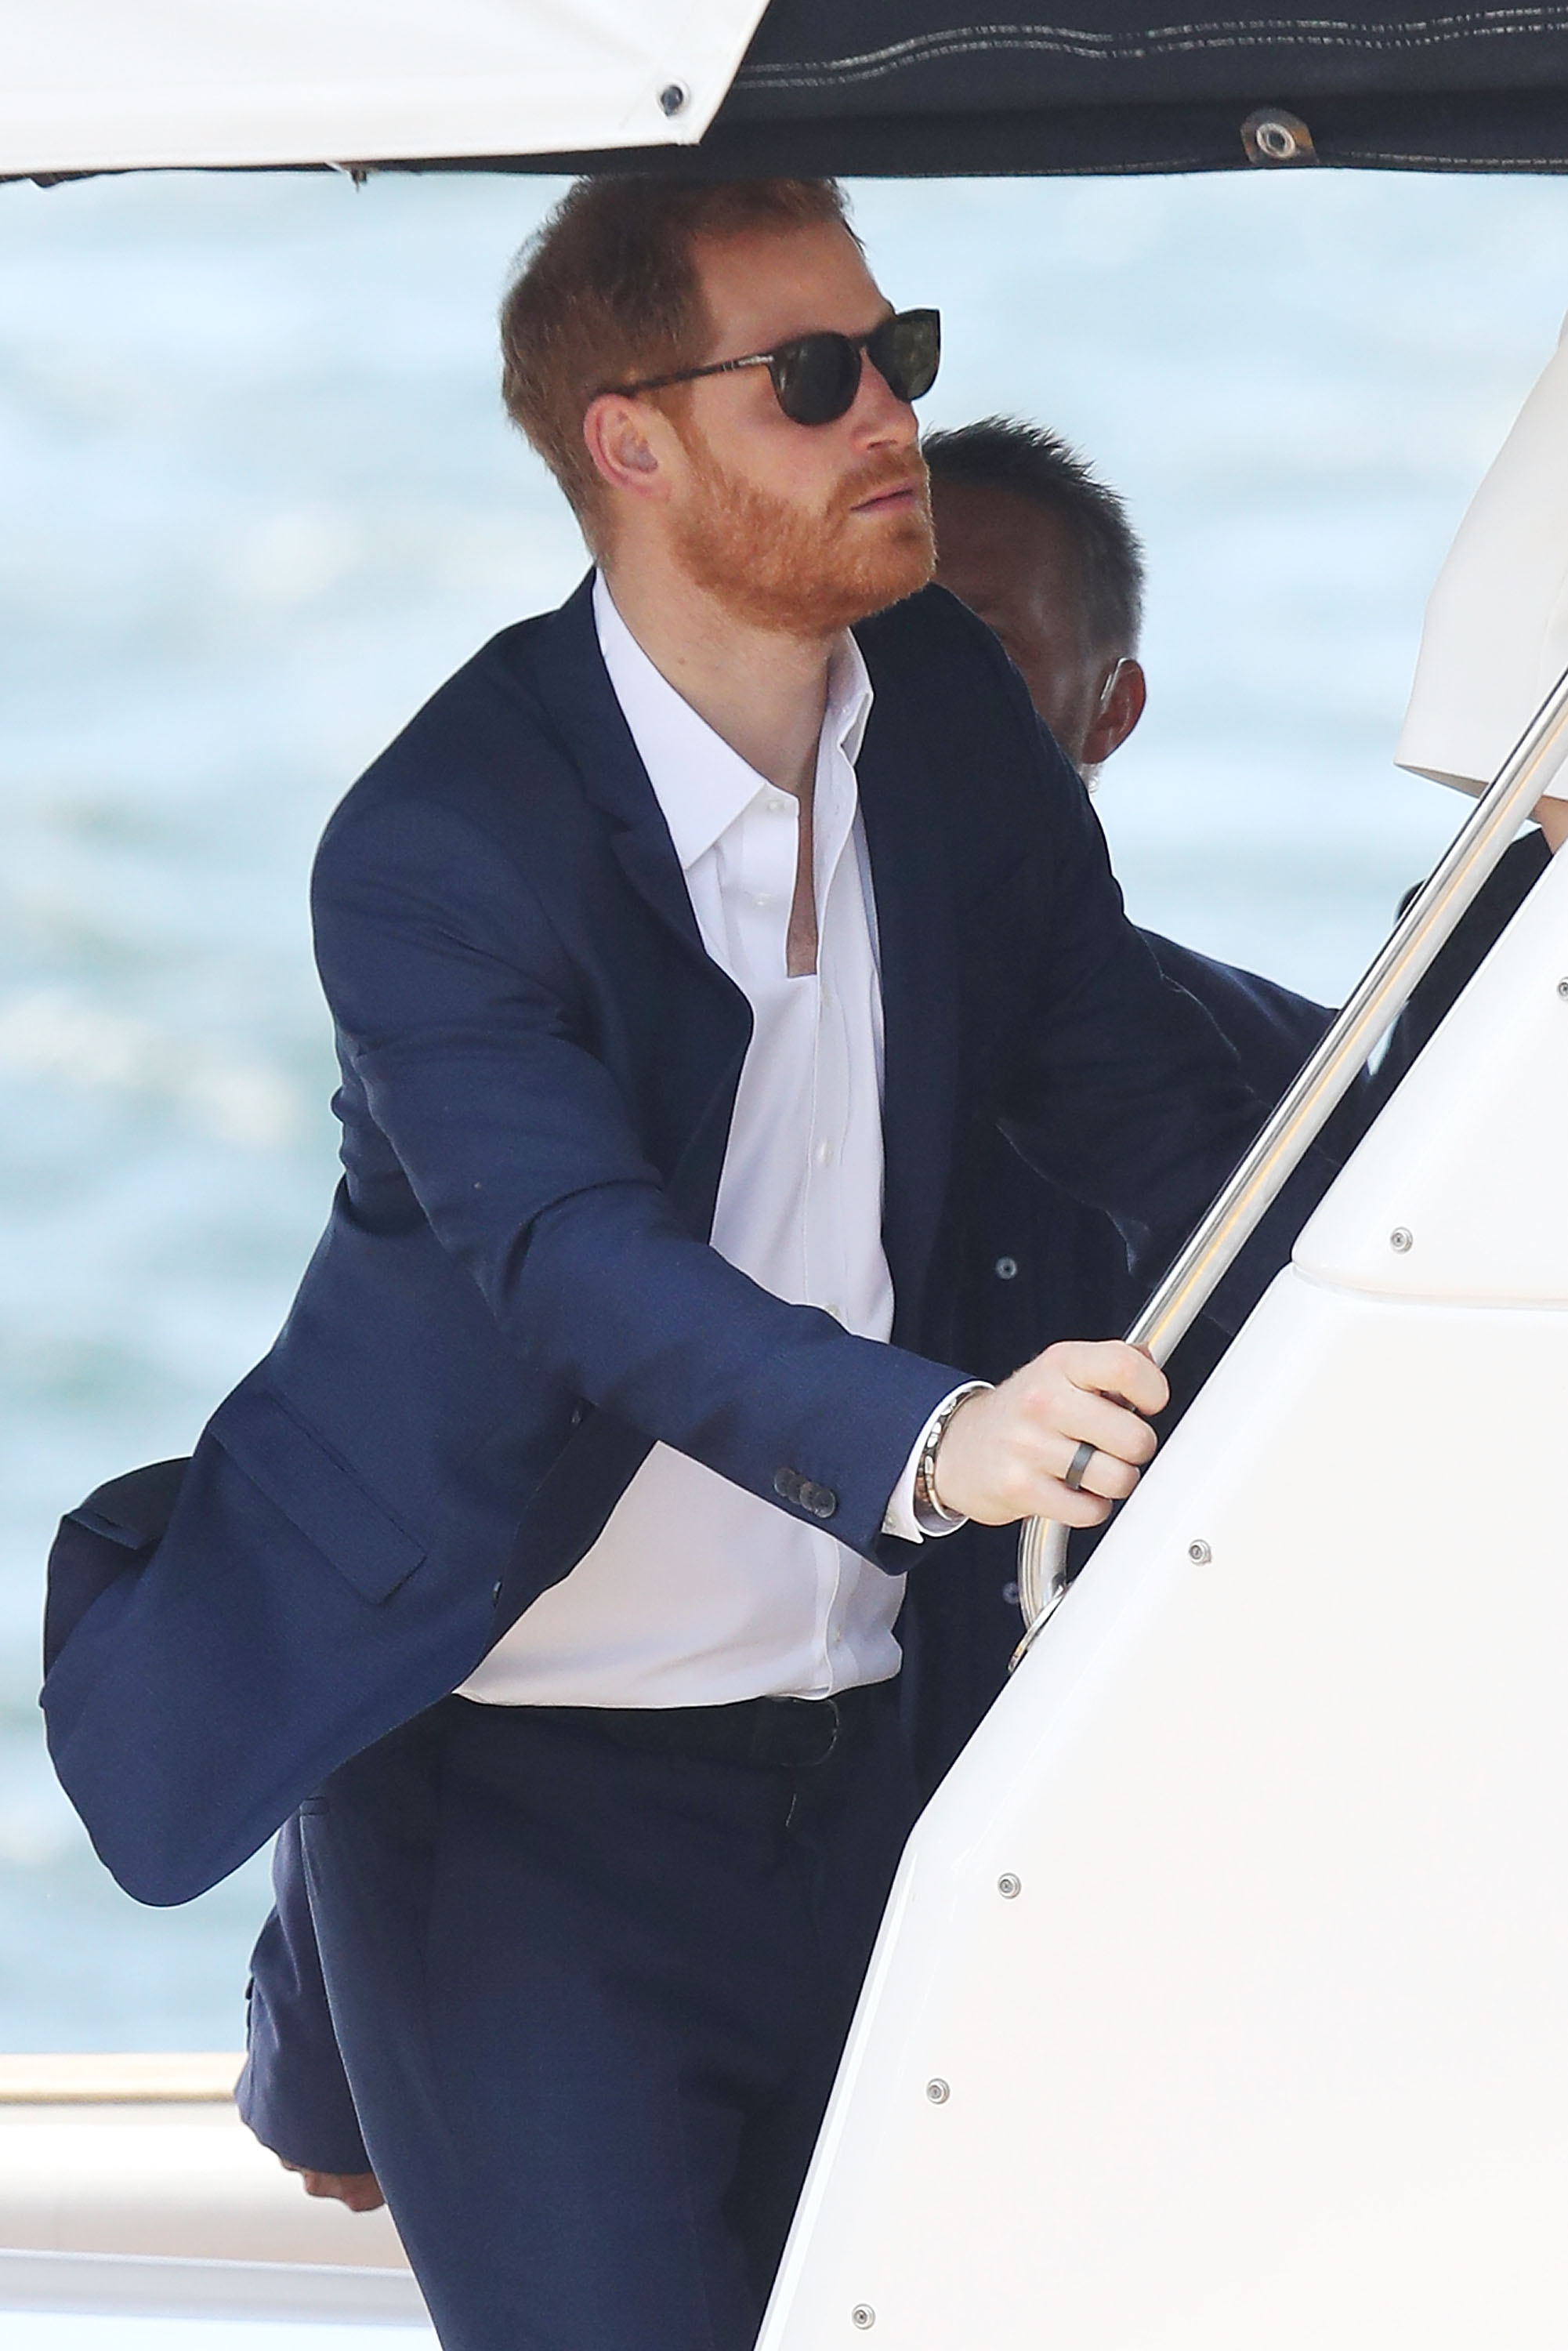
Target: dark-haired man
x=1031 y=540
x=547 y=1571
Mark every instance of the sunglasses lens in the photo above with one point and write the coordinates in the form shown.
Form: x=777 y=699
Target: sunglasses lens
x=906 y=352
x=816 y=378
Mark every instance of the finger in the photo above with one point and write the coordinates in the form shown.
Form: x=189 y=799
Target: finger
x=1110 y=1367
x=1074 y=1417
x=1029 y=1492
x=1038 y=1494
x=359 y=2190
x=1105 y=1474
x=1070 y=1506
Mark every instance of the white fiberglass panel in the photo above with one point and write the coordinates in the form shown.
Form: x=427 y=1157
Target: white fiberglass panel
x=1460 y=1190
x=1496 y=635
x=114 y=85
x=1268 y=2047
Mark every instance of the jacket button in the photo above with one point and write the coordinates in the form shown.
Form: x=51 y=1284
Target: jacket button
x=577 y=1415
x=786 y=1484
x=821 y=1500
x=494 y=1595
x=1007 y=1269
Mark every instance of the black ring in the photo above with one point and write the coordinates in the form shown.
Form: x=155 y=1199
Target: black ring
x=1074 y=1474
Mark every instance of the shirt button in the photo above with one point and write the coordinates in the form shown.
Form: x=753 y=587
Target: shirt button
x=777 y=803
x=824 y=1155
x=836 y=1312
x=838 y=1640
x=762 y=899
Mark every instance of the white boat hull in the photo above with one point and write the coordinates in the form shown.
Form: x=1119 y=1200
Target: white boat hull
x=1271 y=2044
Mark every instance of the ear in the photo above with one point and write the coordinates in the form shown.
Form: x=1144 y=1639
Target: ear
x=630 y=444
x=1122 y=709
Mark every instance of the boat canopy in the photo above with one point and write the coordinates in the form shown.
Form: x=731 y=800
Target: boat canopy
x=118 y=85
x=731 y=87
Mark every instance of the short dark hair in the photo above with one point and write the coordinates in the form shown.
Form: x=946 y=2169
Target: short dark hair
x=606 y=291
x=1001 y=452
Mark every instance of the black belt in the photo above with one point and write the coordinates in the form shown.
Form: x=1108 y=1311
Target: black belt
x=787 y=1733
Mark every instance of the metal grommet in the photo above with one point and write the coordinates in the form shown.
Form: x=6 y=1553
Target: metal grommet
x=1401 y=1239
x=1008 y=1887
x=674 y=98
x=938 y=2091
x=862 y=2316
x=1271 y=136
x=1007 y=1269
x=1200 y=1552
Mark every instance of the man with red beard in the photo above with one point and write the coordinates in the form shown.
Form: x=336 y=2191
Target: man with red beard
x=683 y=950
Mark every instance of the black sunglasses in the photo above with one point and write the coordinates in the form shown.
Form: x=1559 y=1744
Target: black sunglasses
x=817 y=376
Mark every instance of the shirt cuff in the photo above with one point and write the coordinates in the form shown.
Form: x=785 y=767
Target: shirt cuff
x=903 y=1518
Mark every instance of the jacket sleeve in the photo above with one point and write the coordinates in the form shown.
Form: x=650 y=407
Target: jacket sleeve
x=1272 y=1029
x=294 y=2094
x=1125 y=1092
x=461 y=1017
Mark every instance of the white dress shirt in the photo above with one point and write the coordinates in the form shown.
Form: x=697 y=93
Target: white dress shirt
x=698 y=1593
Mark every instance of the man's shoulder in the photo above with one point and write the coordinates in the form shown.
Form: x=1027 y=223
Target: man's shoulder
x=931 y=627
x=493 y=745
x=940 y=673
x=1270 y=1027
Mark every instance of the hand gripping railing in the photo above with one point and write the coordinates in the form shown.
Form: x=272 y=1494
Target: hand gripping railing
x=1284 y=1139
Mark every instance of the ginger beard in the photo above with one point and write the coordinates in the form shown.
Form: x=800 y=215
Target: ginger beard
x=805 y=573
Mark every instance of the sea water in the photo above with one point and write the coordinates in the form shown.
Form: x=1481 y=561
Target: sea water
x=259 y=499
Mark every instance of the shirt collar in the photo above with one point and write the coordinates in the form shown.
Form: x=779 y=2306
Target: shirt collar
x=702 y=785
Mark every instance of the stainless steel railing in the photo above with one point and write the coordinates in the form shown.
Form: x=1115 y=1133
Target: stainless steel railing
x=1283 y=1140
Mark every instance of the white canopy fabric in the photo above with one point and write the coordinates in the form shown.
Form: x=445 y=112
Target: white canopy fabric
x=119 y=85
x=1496 y=635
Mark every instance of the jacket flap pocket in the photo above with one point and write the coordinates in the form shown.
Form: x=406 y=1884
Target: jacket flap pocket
x=310 y=1485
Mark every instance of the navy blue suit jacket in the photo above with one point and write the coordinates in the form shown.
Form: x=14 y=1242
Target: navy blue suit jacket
x=1041 y=1266
x=514 y=1296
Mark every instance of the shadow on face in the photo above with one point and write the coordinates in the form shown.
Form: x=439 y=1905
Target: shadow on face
x=1017 y=565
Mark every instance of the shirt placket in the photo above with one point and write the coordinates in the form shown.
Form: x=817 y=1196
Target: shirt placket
x=825 y=1203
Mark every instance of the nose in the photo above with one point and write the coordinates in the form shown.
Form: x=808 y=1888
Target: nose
x=880 y=420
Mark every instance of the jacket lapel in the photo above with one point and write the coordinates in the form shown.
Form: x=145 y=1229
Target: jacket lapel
x=573 y=690
x=573 y=686
x=904 y=836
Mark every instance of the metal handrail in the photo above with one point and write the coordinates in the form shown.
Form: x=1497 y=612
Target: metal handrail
x=1285 y=1137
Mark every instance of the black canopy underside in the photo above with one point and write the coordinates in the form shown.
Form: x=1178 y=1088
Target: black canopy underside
x=920 y=87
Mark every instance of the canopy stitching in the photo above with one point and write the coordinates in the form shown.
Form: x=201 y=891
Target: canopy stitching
x=1106 y=49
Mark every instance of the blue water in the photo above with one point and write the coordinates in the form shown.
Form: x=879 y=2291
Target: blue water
x=258 y=498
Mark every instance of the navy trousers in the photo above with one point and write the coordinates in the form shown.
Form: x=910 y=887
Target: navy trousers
x=592 y=1976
